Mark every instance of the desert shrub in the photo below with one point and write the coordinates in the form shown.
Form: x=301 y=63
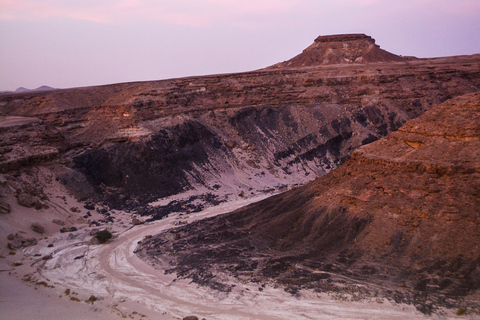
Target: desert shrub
x=103 y=236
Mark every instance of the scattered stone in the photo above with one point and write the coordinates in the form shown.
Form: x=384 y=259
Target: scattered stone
x=136 y=222
x=59 y=222
x=74 y=209
x=89 y=206
x=31 y=242
x=38 y=228
x=26 y=199
x=231 y=144
x=460 y=312
x=18 y=241
x=4 y=207
x=39 y=204
x=72 y=236
x=190 y=318
x=63 y=230
x=72 y=229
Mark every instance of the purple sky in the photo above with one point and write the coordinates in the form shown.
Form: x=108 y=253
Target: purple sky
x=71 y=43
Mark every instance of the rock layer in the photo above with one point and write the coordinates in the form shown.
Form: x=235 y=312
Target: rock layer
x=221 y=136
x=341 y=49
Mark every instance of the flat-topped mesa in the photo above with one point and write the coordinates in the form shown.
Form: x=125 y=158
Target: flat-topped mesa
x=344 y=37
x=340 y=49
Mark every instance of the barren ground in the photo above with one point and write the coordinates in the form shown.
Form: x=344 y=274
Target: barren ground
x=126 y=286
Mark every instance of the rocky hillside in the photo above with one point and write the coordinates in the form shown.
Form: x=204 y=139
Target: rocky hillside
x=341 y=49
x=403 y=212
x=207 y=139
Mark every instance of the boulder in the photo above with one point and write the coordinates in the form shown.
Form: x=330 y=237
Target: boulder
x=59 y=222
x=26 y=199
x=38 y=204
x=89 y=206
x=30 y=242
x=18 y=241
x=136 y=222
x=37 y=227
x=4 y=207
x=231 y=144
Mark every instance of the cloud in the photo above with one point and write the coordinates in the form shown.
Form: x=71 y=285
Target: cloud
x=181 y=12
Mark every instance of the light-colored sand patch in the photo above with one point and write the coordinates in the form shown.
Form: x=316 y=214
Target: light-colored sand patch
x=129 y=287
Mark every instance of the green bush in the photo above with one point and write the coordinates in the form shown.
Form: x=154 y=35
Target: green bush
x=103 y=236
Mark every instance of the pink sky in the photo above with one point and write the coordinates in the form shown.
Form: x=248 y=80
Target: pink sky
x=72 y=43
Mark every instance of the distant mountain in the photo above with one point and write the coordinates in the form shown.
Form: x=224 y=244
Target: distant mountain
x=22 y=89
x=44 y=88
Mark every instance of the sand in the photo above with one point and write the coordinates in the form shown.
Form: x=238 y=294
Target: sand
x=128 y=287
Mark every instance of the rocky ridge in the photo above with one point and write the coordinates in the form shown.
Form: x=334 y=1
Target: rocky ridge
x=402 y=211
x=214 y=138
x=341 y=49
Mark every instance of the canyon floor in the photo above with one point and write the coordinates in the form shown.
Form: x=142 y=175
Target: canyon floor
x=126 y=286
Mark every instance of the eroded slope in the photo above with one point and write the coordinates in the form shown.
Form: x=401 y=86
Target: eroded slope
x=214 y=138
x=403 y=212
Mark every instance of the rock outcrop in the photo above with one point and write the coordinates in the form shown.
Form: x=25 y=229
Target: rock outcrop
x=404 y=211
x=17 y=241
x=341 y=49
x=213 y=138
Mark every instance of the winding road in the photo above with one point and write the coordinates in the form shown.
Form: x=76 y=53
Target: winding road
x=114 y=272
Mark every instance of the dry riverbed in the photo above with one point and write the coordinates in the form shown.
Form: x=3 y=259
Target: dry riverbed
x=66 y=276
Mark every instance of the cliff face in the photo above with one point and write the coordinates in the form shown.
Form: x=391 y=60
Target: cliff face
x=219 y=137
x=403 y=211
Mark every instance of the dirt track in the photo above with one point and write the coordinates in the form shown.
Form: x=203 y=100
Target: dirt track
x=129 y=286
